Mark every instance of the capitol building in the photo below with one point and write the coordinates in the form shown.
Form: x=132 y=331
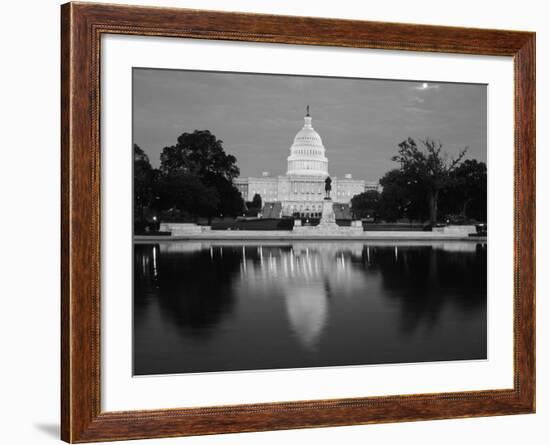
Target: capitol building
x=301 y=191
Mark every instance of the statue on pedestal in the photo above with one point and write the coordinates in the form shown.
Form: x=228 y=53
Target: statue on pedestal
x=328 y=187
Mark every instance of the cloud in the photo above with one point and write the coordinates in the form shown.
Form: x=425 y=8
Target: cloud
x=416 y=104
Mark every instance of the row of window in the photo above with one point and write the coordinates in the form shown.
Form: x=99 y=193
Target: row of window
x=307 y=165
x=269 y=195
x=306 y=208
x=308 y=152
x=306 y=214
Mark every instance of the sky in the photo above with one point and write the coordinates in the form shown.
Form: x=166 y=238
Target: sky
x=361 y=121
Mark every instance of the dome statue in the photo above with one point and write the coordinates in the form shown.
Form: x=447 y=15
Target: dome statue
x=307 y=153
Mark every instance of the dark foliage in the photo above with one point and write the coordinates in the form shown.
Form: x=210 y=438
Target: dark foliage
x=467 y=195
x=428 y=186
x=365 y=205
x=186 y=193
x=403 y=197
x=195 y=178
x=143 y=179
x=430 y=167
x=199 y=154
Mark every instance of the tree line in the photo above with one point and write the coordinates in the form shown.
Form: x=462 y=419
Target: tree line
x=195 y=179
x=427 y=186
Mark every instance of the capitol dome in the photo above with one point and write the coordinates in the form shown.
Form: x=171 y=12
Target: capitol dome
x=307 y=153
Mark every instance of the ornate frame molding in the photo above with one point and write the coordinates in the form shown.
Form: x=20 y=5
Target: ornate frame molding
x=82 y=25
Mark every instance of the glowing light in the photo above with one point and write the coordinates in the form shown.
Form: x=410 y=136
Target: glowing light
x=155 y=261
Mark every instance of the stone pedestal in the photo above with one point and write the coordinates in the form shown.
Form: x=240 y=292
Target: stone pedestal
x=328 y=219
x=327 y=226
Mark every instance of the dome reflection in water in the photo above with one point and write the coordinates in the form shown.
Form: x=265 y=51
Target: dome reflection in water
x=224 y=306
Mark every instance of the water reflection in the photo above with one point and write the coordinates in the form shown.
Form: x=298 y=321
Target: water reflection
x=211 y=306
x=304 y=275
x=307 y=310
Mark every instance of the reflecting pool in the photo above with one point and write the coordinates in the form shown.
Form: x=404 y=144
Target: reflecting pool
x=223 y=306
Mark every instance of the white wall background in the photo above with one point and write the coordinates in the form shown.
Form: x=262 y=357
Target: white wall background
x=29 y=219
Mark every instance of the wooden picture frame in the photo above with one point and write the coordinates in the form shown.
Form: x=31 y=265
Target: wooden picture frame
x=82 y=26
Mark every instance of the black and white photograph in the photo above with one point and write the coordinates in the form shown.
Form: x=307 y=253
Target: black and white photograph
x=232 y=222
x=288 y=221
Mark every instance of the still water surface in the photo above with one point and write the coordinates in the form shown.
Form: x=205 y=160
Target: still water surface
x=215 y=306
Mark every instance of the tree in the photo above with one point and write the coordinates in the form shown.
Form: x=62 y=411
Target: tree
x=430 y=167
x=143 y=181
x=257 y=201
x=255 y=206
x=402 y=197
x=199 y=154
x=467 y=196
x=231 y=202
x=187 y=193
x=365 y=205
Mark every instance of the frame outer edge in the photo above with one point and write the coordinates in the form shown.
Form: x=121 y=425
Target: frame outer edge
x=81 y=417
x=79 y=229
x=525 y=170
x=66 y=47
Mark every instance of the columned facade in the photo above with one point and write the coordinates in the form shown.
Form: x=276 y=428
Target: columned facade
x=302 y=190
